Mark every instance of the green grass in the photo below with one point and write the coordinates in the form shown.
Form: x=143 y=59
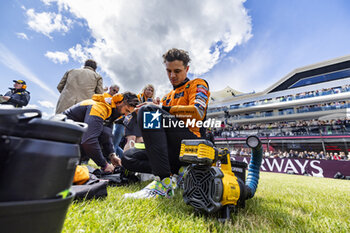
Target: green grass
x=282 y=203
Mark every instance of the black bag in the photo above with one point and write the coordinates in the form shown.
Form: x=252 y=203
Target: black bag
x=94 y=188
x=120 y=176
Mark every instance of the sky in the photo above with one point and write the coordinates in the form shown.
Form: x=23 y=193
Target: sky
x=247 y=45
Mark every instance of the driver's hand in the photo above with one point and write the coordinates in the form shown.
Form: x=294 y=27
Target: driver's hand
x=109 y=168
x=115 y=160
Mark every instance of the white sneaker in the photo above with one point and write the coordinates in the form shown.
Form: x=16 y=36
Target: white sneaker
x=156 y=188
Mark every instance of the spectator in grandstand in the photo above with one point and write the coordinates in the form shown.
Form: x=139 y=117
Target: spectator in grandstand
x=301 y=127
x=342 y=155
x=187 y=100
x=336 y=156
x=327 y=157
x=93 y=112
x=267 y=154
x=320 y=155
x=285 y=154
x=301 y=155
x=310 y=94
x=295 y=154
x=18 y=96
x=242 y=152
x=132 y=131
x=77 y=85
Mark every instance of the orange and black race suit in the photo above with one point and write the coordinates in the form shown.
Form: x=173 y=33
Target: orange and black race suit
x=93 y=112
x=107 y=95
x=106 y=138
x=189 y=100
x=141 y=97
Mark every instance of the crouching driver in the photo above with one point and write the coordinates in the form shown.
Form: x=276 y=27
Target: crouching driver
x=93 y=112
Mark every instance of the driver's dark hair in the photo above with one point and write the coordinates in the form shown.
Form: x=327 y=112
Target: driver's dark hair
x=177 y=54
x=130 y=99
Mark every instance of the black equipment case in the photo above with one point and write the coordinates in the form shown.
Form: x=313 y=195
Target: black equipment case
x=38 y=158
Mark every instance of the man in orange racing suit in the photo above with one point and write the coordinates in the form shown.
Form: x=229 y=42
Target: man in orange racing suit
x=164 y=127
x=93 y=112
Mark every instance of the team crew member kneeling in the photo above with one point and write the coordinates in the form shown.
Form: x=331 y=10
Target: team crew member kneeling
x=93 y=112
x=187 y=100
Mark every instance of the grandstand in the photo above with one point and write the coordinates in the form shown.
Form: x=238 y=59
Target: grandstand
x=304 y=111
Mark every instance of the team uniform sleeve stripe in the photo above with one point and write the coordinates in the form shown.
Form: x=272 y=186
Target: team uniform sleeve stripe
x=200 y=110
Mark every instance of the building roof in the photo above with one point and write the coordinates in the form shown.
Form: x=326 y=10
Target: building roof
x=292 y=80
x=314 y=70
x=224 y=94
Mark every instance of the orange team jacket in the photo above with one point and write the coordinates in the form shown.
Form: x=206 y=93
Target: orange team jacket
x=141 y=98
x=106 y=95
x=189 y=100
x=101 y=106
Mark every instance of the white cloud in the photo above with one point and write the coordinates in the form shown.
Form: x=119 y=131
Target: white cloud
x=61 y=6
x=57 y=57
x=22 y=35
x=131 y=36
x=78 y=53
x=48 y=22
x=13 y=63
x=47 y=2
x=46 y=104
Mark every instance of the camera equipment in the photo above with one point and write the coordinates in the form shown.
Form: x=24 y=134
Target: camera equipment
x=210 y=184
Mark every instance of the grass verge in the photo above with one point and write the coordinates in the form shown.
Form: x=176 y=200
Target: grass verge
x=282 y=203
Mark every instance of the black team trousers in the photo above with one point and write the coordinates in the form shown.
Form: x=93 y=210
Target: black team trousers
x=161 y=156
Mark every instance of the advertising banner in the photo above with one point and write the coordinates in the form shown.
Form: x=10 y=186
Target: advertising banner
x=313 y=167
